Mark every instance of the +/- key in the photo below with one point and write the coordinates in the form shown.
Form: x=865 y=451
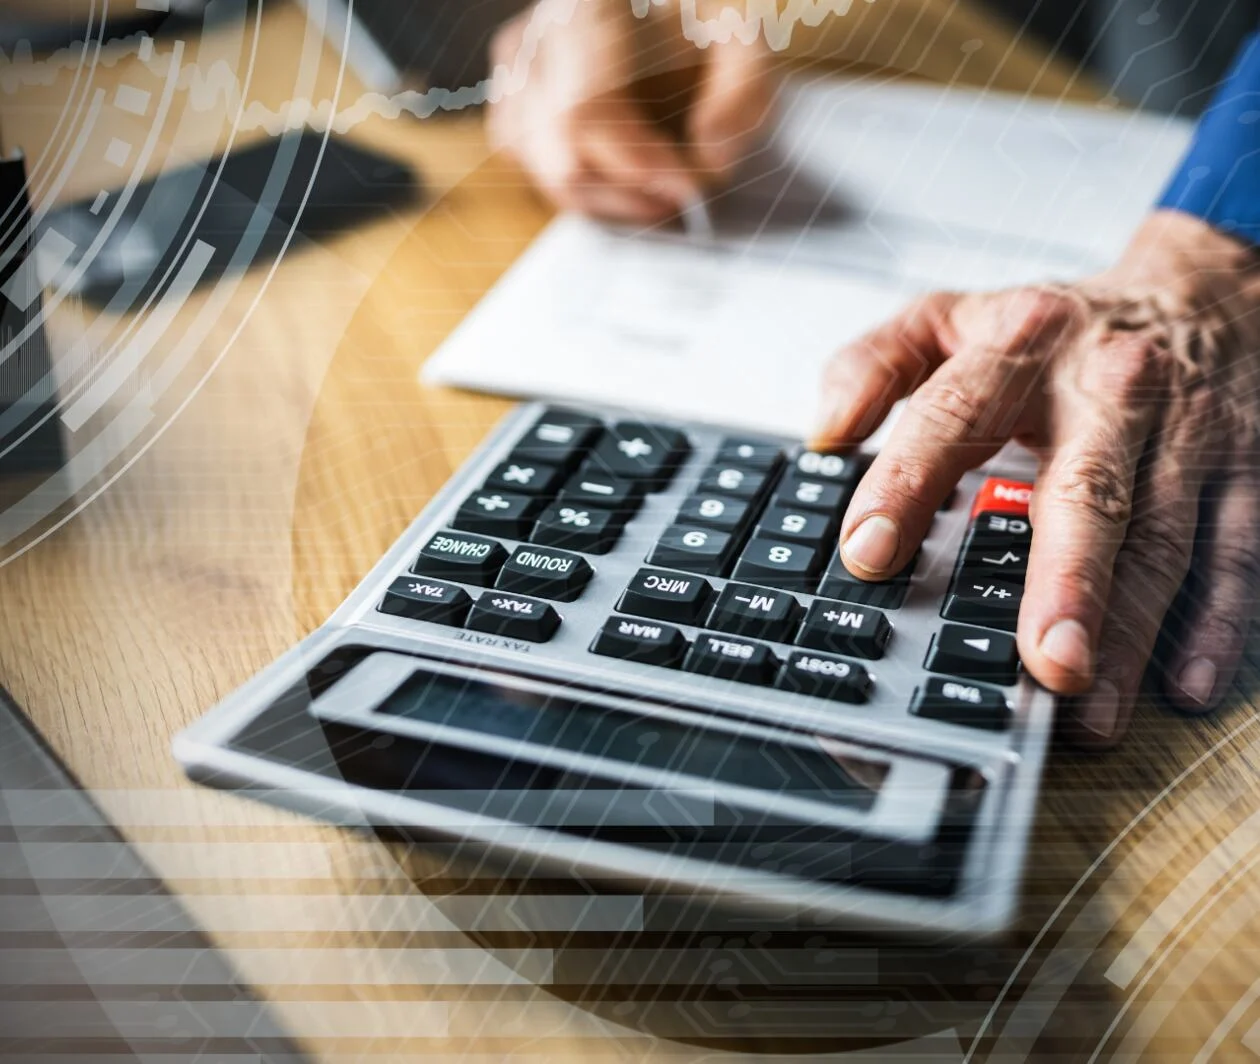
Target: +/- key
x=977 y=598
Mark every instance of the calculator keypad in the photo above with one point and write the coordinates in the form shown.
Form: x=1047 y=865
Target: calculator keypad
x=758 y=523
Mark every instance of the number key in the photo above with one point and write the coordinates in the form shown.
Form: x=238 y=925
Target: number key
x=800 y=526
x=726 y=515
x=809 y=493
x=697 y=550
x=777 y=564
x=733 y=480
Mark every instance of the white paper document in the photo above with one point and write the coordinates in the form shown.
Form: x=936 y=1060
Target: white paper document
x=864 y=196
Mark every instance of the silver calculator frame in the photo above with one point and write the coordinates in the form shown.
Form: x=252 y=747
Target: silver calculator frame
x=985 y=901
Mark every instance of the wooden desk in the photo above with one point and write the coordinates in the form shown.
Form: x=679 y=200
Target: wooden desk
x=273 y=442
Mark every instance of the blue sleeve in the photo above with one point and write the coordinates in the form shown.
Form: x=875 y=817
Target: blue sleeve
x=1219 y=179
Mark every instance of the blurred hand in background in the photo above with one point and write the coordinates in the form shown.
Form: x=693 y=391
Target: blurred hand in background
x=625 y=118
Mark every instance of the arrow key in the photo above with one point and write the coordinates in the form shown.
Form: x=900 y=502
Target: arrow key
x=974 y=654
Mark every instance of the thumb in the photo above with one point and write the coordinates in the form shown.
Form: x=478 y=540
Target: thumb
x=733 y=101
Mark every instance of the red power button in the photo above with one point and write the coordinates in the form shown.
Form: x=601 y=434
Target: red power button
x=1000 y=496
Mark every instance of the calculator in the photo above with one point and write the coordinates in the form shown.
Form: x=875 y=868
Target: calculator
x=618 y=646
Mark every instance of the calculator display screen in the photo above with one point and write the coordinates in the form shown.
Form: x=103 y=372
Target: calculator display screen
x=562 y=722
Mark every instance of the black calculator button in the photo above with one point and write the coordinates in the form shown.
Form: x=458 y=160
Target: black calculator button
x=779 y=564
x=974 y=654
x=525 y=478
x=797 y=525
x=890 y=594
x=643 y=641
x=733 y=480
x=714 y=511
x=751 y=454
x=832 y=468
x=514 y=617
x=497 y=513
x=992 y=545
x=697 y=550
x=731 y=659
x=594 y=487
x=468 y=559
x=843 y=628
x=584 y=529
x=420 y=599
x=809 y=493
x=978 y=598
x=824 y=676
x=961 y=702
x=999 y=529
x=756 y=612
x=559 y=438
x=551 y=574
x=638 y=451
x=662 y=596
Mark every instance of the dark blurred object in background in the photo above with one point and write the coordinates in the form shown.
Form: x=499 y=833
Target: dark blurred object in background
x=30 y=440
x=44 y=27
x=397 y=43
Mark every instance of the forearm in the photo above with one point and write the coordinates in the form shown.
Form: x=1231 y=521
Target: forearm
x=1219 y=179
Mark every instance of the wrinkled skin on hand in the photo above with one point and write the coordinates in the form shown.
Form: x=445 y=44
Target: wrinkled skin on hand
x=580 y=124
x=1139 y=391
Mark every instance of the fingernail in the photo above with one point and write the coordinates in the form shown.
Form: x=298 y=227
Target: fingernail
x=1198 y=680
x=1097 y=711
x=873 y=544
x=1066 y=643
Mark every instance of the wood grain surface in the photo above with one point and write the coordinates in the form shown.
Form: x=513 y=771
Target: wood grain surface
x=273 y=441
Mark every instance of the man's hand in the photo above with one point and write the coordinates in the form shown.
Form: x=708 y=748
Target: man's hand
x=1138 y=389
x=580 y=125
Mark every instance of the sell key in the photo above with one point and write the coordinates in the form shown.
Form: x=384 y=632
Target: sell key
x=731 y=659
